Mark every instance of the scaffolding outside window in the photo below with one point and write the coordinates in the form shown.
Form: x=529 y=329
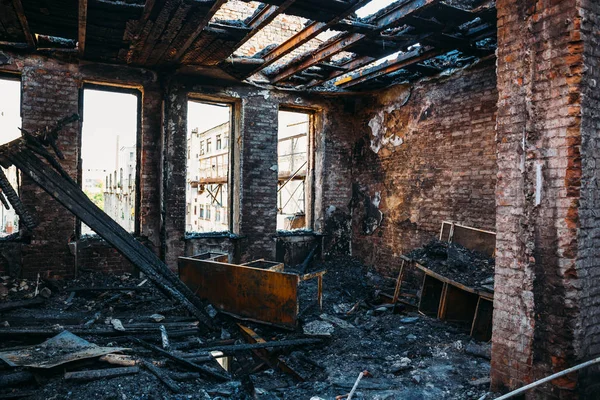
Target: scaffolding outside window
x=293 y=161
x=10 y=122
x=109 y=141
x=208 y=173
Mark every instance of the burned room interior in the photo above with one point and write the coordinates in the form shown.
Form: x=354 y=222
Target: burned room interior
x=299 y=199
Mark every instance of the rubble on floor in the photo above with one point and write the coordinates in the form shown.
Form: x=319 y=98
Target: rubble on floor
x=457 y=263
x=160 y=352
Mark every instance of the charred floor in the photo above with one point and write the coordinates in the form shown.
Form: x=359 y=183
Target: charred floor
x=299 y=199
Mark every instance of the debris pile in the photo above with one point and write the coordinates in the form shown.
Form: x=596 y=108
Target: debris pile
x=118 y=337
x=457 y=263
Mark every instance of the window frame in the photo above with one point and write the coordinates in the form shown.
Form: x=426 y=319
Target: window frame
x=138 y=93
x=234 y=105
x=309 y=180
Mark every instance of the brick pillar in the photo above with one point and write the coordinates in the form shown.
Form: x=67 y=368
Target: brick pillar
x=150 y=165
x=50 y=92
x=539 y=304
x=174 y=174
x=258 y=183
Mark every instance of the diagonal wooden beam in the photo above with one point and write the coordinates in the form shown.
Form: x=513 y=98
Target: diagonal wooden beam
x=82 y=28
x=309 y=32
x=402 y=61
x=24 y=24
x=393 y=17
x=263 y=18
x=199 y=28
x=349 y=66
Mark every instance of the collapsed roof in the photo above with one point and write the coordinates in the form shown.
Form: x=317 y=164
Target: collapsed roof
x=404 y=41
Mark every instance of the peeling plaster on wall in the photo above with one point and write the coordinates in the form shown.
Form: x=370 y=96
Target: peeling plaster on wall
x=379 y=132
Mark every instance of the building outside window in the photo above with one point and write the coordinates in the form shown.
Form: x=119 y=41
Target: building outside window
x=108 y=152
x=208 y=172
x=10 y=122
x=292 y=160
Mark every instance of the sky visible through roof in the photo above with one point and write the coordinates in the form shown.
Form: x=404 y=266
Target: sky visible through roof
x=372 y=7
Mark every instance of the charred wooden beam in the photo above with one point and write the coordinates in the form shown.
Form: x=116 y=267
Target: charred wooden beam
x=12 y=305
x=343 y=42
x=82 y=26
x=163 y=377
x=28 y=220
x=309 y=32
x=93 y=375
x=68 y=193
x=181 y=361
x=23 y=21
x=346 y=67
x=402 y=61
x=201 y=24
x=263 y=18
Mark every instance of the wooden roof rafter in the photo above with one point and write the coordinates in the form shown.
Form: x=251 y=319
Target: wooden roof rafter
x=82 y=26
x=263 y=18
x=309 y=32
x=393 y=17
x=18 y=6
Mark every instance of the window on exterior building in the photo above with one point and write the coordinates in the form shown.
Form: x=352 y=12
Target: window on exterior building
x=10 y=122
x=293 y=162
x=208 y=175
x=109 y=141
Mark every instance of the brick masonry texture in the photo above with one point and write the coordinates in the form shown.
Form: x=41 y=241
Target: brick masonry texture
x=422 y=157
x=51 y=91
x=544 y=311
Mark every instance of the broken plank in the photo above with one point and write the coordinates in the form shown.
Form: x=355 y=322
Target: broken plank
x=181 y=361
x=96 y=374
x=163 y=377
x=228 y=350
x=21 y=304
x=15 y=378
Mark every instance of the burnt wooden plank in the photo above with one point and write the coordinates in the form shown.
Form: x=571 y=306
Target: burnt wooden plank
x=168 y=35
x=82 y=26
x=309 y=32
x=253 y=293
x=200 y=25
x=18 y=6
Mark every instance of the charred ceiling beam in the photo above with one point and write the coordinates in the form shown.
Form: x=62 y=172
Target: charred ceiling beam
x=309 y=32
x=201 y=24
x=23 y=21
x=262 y=18
x=351 y=65
x=82 y=27
x=337 y=44
x=402 y=61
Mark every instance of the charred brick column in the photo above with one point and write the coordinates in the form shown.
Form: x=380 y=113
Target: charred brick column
x=547 y=287
x=50 y=92
x=150 y=165
x=174 y=174
x=258 y=183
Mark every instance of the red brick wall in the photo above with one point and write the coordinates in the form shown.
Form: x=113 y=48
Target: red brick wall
x=588 y=262
x=429 y=155
x=50 y=91
x=537 y=302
